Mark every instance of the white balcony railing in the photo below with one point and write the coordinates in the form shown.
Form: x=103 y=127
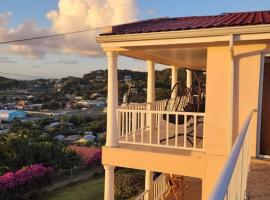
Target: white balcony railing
x=159 y=189
x=151 y=125
x=142 y=196
x=232 y=183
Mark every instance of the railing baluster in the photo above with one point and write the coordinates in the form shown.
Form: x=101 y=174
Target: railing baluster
x=123 y=123
x=134 y=121
x=129 y=122
x=167 y=130
x=176 y=130
x=127 y=126
x=158 y=131
x=195 y=132
x=185 y=131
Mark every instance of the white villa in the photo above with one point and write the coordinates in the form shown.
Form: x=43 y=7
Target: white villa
x=213 y=145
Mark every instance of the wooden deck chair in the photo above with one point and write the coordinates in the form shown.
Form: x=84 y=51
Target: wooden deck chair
x=184 y=102
x=176 y=186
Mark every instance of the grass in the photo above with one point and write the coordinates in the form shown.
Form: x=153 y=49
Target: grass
x=91 y=189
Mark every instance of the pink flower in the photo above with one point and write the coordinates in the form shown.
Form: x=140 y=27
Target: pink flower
x=24 y=176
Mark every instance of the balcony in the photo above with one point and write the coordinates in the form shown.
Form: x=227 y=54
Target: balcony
x=162 y=190
x=152 y=124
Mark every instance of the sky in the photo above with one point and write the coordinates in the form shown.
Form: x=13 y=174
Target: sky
x=79 y=54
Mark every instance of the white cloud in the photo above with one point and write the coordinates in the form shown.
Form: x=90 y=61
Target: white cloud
x=71 y=15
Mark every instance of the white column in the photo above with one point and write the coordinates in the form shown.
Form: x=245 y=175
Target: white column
x=150 y=93
x=149 y=184
x=112 y=101
x=150 y=81
x=189 y=78
x=109 y=182
x=174 y=81
x=150 y=98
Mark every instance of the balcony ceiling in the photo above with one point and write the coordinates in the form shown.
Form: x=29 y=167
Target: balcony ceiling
x=194 y=58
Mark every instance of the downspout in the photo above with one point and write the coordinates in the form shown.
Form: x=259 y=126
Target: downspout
x=231 y=91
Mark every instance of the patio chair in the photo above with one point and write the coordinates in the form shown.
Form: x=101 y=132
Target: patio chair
x=185 y=102
x=177 y=186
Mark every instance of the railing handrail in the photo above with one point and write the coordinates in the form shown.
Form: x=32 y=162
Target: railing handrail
x=141 y=195
x=134 y=105
x=163 y=112
x=142 y=104
x=225 y=178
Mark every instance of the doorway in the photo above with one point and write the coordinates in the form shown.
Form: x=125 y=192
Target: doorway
x=265 y=117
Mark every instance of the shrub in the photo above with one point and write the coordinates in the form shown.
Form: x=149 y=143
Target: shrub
x=20 y=185
x=128 y=184
x=94 y=160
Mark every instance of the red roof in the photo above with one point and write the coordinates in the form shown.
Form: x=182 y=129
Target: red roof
x=193 y=22
x=85 y=152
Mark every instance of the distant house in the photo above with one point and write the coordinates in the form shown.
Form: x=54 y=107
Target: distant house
x=34 y=106
x=89 y=103
x=101 y=99
x=100 y=78
x=3 y=131
x=56 y=124
x=127 y=78
x=10 y=115
x=78 y=98
x=72 y=138
x=95 y=95
x=59 y=137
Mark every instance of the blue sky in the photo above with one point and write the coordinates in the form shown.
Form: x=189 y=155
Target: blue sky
x=61 y=65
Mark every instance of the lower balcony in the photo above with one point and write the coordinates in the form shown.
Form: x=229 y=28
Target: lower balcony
x=150 y=124
x=166 y=187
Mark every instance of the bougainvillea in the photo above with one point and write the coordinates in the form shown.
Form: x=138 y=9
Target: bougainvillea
x=90 y=155
x=94 y=160
x=15 y=185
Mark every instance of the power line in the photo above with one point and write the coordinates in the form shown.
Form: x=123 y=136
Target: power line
x=50 y=36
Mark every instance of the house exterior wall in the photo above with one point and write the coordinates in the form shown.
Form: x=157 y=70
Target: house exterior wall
x=248 y=68
x=247 y=75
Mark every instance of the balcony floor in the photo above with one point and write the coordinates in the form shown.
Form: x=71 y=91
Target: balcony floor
x=258 y=187
x=144 y=137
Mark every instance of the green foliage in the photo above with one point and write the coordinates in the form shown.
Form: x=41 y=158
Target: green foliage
x=28 y=147
x=128 y=183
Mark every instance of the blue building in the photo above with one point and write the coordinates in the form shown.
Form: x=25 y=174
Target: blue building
x=10 y=115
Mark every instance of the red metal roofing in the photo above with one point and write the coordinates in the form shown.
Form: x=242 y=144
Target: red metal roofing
x=85 y=152
x=193 y=22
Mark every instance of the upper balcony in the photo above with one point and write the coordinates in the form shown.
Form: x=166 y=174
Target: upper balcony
x=153 y=124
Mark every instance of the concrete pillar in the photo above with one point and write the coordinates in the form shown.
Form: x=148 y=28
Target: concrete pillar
x=150 y=94
x=109 y=182
x=149 y=184
x=150 y=81
x=174 y=81
x=189 y=78
x=112 y=102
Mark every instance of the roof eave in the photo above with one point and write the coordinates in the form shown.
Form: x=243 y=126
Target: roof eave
x=236 y=30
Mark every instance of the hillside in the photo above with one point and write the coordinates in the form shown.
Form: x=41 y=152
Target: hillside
x=96 y=81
